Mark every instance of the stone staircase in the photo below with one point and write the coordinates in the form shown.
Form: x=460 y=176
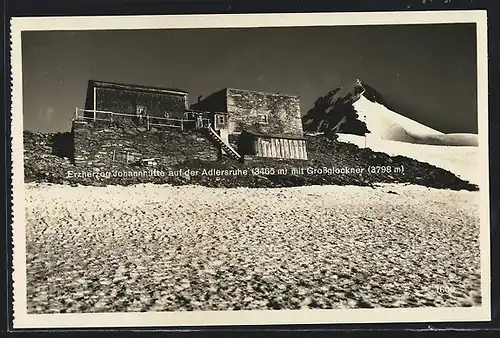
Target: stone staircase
x=225 y=146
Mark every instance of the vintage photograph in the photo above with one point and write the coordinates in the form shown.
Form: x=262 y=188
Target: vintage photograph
x=250 y=173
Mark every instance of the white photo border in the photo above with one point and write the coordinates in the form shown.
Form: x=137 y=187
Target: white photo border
x=222 y=318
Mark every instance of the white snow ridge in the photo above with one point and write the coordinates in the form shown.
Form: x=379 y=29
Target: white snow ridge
x=391 y=132
x=385 y=124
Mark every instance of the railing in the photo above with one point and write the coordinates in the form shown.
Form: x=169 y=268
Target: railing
x=148 y=121
x=225 y=146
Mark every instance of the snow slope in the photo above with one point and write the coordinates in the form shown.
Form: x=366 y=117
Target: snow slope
x=385 y=124
x=393 y=133
x=388 y=125
x=463 y=161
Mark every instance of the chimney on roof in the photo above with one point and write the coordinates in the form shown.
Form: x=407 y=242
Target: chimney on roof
x=199 y=98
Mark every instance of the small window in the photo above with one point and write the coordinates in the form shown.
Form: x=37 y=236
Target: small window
x=262 y=118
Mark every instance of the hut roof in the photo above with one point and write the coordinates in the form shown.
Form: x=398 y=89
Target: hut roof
x=268 y=135
x=115 y=85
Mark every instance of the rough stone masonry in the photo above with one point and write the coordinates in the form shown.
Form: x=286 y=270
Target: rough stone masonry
x=105 y=145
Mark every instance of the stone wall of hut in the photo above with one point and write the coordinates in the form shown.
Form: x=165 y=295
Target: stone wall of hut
x=108 y=145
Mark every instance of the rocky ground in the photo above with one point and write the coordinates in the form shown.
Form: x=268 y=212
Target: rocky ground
x=44 y=163
x=165 y=248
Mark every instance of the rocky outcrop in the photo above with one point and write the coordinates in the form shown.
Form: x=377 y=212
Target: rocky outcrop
x=327 y=152
x=46 y=156
x=42 y=165
x=334 y=112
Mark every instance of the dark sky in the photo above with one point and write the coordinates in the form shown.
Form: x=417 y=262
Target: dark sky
x=427 y=72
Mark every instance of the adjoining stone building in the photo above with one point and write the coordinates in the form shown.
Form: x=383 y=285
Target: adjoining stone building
x=260 y=124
